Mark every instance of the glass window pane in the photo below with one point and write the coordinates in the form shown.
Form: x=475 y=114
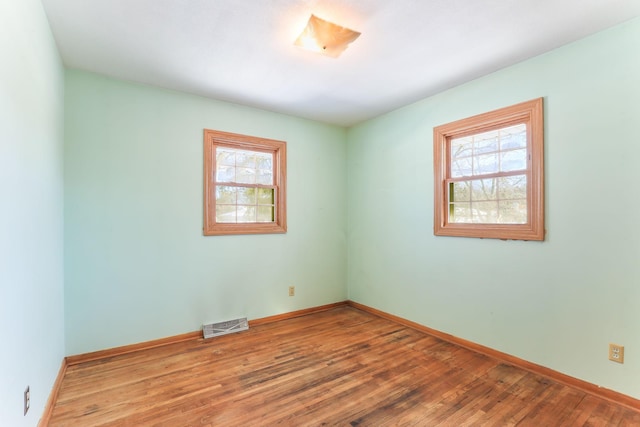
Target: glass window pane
x=513 y=160
x=461 y=167
x=513 y=137
x=225 y=195
x=245 y=176
x=460 y=191
x=246 y=214
x=486 y=142
x=264 y=177
x=460 y=213
x=225 y=213
x=265 y=214
x=264 y=161
x=246 y=159
x=266 y=196
x=246 y=196
x=513 y=212
x=225 y=174
x=512 y=187
x=225 y=156
x=487 y=163
x=484 y=189
x=461 y=147
x=485 y=212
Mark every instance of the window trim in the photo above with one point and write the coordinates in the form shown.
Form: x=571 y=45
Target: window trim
x=530 y=113
x=213 y=139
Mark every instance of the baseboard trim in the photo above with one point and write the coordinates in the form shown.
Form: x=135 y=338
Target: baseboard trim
x=297 y=313
x=53 y=396
x=132 y=348
x=587 y=387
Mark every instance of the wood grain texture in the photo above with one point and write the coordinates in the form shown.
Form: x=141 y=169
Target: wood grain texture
x=53 y=396
x=297 y=313
x=588 y=387
x=189 y=336
x=338 y=367
x=132 y=348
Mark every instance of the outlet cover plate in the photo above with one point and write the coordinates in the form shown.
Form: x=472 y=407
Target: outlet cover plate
x=27 y=400
x=616 y=353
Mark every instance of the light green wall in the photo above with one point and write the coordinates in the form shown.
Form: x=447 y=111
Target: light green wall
x=31 y=211
x=138 y=267
x=557 y=303
x=137 y=264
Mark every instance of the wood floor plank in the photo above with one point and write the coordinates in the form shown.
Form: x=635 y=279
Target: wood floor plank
x=338 y=367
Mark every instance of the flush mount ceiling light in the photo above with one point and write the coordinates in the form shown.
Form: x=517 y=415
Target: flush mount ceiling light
x=325 y=37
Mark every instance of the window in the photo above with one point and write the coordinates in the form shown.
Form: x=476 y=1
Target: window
x=488 y=175
x=244 y=184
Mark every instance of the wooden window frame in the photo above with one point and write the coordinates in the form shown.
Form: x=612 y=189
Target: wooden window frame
x=214 y=139
x=530 y=113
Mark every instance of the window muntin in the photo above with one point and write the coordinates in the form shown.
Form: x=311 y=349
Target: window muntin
x=488 y=173
x=245 y=179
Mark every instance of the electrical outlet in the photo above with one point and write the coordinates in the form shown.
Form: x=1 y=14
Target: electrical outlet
x=292 y=291
x=27 y=400
x=616 y=353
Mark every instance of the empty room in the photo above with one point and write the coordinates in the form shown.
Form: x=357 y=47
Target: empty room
x=309 y=212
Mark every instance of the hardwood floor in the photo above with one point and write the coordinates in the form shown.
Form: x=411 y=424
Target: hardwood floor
x=339 y=367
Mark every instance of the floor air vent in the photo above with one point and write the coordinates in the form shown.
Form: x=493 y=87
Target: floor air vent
x=222 y=328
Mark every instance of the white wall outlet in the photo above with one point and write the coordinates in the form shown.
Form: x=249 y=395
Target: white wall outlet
x=292 y=291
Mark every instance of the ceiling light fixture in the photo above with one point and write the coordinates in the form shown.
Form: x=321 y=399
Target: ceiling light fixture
x=325 y=37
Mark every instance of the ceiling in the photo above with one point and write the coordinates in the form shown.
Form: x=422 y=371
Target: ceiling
x=242 y=50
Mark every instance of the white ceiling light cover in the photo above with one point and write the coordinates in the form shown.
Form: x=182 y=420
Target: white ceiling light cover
x=325 y=37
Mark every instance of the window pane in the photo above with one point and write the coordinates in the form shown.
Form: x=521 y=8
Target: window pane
x=264 y=161
x=460 y=191
x=487 y=152
x=484 y=189
x=461 y=167
x=461 y=147
x=265 y=196
x=485 y=212
x=244 y=166
x=246 y=159
x=501 y=200
x=483 y=164
x=264 y=177
x=513 y=212
x=513 y=160
x=246 y=196
x=225 y=174
x=265 y=214
x=512 y=187
x=225 y=195
x=513 y=137
x=245 y=176
x=246 y=214
x=486 y=142
x=460 y=212
x=225 y=213
x=225 y=156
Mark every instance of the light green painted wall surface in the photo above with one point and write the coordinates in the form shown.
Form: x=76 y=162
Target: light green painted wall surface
x=557 y=303
x=137 y=264
x=31 y=211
